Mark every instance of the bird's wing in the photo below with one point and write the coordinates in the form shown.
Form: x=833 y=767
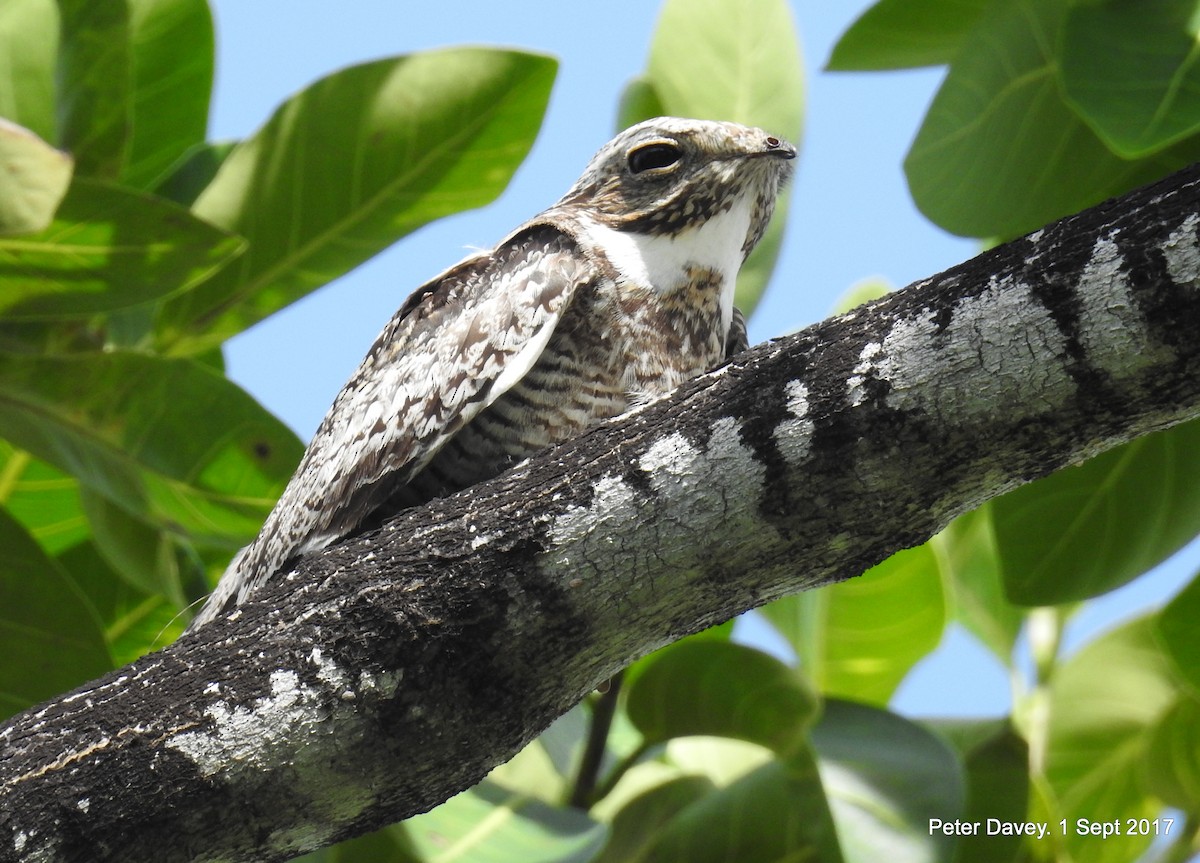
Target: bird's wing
x=455 y=346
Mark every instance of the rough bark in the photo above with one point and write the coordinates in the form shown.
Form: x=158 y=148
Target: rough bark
x=397 y=668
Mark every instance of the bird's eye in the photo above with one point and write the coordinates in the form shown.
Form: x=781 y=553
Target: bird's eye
x=651 y=156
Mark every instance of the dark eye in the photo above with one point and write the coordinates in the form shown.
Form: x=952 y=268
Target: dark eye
x=650 y=156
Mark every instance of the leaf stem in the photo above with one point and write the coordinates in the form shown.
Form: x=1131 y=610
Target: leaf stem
x=582 y=795
x=614 y=776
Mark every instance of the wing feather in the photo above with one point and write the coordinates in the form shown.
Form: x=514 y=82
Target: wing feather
x=458 y=343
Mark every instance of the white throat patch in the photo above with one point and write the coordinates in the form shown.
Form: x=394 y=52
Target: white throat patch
x=660 y=261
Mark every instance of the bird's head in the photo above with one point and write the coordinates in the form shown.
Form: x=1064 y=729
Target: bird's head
x=669 y=174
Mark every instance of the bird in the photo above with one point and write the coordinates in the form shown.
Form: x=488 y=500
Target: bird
x=613 y=296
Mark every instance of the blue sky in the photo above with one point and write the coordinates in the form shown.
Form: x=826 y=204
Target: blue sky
x=851 y=215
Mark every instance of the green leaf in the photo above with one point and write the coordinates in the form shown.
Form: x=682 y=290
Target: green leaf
x=999 y=153
x=1172 y=765
x=134 y=622
x=637 y=826
x=722 y=760
x=733 y=60
x=389 y=845
x=886 y=779
x=863 y=291
x=1086 y=530
x=49 y=636
x=966 y=550
x=192 y=173
x=967 y=735
x=490 y=825
x=353 y=163
x=997 y=787
x=108 y=248
x=94 y=86
x=42 y=498
x=172 y=55
x=858 y=639
x=729 y=60
x=141 y=554
x=710 y=687
x=545 y=767
x=639 y=101
x=168 y=440
x=135 y=79
x=1130 y=71
x=901 y=34
x=1104 y=706
x=28 y=53
x=1179 y=635
x=777 y=813
x=33 y=179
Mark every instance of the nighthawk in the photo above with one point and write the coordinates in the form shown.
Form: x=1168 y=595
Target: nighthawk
x=614 y=295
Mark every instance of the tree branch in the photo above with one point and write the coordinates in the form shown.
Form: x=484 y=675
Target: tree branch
x=395 y=669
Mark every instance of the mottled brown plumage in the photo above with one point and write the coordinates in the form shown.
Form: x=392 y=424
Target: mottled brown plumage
x=615 y=295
